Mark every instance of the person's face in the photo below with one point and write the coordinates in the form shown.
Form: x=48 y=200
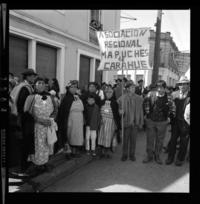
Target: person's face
x=73 y=89
x=109 y=93
x=51 y=82
x=40 y=86
x=161 y=90
x=11 y=76
x=31 y=78
x=91 y=101
x=10 y=87
x=141 y=84
x=131 y=89
x=92 y=88
x=184 y=87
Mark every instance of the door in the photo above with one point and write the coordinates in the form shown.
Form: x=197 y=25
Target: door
x=98 y=74
x=84 y=71
x=46 y=60
x=18 y=55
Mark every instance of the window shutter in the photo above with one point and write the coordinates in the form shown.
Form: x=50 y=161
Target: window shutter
x=46 y=60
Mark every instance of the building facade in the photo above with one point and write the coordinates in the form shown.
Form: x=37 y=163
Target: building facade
x=182 y=59
x=59 y=44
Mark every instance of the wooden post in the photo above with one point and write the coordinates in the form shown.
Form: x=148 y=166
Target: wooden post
x=122 y=102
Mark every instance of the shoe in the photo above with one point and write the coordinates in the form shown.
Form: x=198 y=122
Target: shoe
x=148 y=159
x=132 y=158
x=68 y=156
x=88 y=152
x=77 y=155
x=94 y=153
x=107 y=156
x=178 y=163
x=158 y=160
x=169 y=161
x=48 y=167
x=124 y=158
x=101 y=156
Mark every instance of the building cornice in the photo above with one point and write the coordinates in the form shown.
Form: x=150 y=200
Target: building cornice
x=50 y=28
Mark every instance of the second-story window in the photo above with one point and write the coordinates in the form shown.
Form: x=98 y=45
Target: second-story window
x=96 y=19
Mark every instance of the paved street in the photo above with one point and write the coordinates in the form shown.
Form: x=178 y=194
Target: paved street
x=113 y=175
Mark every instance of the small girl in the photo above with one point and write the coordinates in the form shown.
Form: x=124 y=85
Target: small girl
x=92 y=117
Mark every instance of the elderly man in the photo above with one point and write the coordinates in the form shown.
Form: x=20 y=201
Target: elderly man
x=19 y=95
x=180 y=128
x=133 y=119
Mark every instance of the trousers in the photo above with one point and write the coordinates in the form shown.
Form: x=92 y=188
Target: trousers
x=90 y=135
x=156 y=132
x=129 y=141
x=179 y=130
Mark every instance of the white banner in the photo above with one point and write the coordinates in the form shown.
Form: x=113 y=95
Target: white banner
x=126 y=49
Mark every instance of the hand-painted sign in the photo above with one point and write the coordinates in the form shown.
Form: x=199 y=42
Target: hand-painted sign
x=124 y=49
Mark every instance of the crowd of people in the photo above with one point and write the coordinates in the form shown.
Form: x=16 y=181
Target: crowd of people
x=43 y=122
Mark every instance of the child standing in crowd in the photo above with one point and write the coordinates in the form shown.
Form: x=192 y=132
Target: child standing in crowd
x=92 y=117
x=110 y=122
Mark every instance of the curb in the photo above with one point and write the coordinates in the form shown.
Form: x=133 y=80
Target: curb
x=62 y=168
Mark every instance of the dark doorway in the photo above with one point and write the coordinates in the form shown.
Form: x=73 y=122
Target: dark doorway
x=98 y=74
x=84 y=73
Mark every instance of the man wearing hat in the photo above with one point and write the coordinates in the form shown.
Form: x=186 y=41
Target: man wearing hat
x=140 y=90
x=157 y=108
x=180 y=128
x=19 y=94
x=133 y=119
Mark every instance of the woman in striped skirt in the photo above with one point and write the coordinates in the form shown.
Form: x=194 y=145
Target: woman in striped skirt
x=110 y=123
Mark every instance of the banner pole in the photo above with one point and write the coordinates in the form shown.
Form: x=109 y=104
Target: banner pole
x=122 y=103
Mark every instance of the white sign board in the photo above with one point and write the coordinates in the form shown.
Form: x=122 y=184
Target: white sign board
x=126 y=49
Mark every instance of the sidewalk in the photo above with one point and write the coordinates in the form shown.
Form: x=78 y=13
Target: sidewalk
x=61 y=168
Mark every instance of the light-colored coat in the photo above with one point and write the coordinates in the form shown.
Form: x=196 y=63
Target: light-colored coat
x=133 y=109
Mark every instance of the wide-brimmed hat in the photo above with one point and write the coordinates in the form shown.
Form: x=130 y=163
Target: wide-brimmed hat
x=183 y=80
x=29 y=72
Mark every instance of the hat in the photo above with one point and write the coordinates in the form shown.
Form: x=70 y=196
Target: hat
x=29 y=72
x=129 y=83
x=141 y=80
x=72 y=82
x=161 y=83
x=183 y=80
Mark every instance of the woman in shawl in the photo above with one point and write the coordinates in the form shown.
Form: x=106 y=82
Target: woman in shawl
x=110 y=123
x=42 y=108
x=70 y=120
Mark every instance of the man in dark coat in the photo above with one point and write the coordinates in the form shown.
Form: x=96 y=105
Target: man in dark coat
x=20 y=93
x=180 y=128
x=140 y=90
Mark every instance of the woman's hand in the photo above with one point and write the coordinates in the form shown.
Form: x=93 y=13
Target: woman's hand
x=47 y=122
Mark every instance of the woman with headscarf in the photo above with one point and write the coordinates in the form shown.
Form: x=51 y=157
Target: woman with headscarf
x=39 y=107
x=70 y=120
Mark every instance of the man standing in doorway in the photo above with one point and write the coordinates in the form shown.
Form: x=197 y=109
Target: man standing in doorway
x=180 y=128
